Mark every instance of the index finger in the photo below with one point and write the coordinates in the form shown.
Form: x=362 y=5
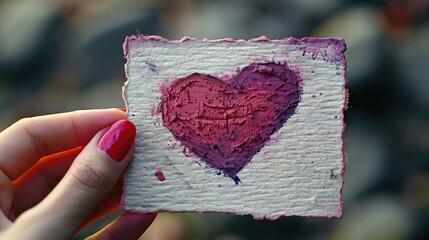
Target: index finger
x=30 y=139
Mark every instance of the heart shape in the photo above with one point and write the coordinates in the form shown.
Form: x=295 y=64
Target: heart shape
x=225 y=123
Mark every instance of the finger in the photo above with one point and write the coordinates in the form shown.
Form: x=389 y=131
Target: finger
x=40 y=180
x=128 y=226
x=30 y=139
x=107 y=206
x=91 y=176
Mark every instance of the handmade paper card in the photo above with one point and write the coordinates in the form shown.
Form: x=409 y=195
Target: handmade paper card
x=243 y=127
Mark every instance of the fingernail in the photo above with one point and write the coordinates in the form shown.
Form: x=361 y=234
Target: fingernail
x=123 y=110
x=118 y=139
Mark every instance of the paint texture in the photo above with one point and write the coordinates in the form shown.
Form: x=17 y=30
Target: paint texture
x=226 y=122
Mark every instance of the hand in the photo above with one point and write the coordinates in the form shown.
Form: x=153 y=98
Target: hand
x=51 y=187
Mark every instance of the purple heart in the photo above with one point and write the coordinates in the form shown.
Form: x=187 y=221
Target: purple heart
x=225 y=123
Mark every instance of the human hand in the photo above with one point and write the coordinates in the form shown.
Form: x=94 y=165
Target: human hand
x=47 y=192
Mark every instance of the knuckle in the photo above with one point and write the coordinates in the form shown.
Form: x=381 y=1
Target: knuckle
x=27 y=126
x=90 y=176
x=24 y=121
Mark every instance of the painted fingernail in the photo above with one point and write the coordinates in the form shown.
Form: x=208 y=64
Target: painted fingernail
x=118 y=139
x=123 y=110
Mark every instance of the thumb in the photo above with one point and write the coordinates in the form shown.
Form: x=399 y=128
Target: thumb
x=91 y=176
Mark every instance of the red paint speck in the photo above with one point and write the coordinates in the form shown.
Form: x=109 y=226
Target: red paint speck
x=160 y=175
x=320 y=94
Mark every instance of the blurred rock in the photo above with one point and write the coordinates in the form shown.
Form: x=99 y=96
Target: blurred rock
x=26 y=28
x=216 y=19
x=417 y=191
x=379 y=218
x=166 y=226
x=413 y=136
x=314 y=8
x=106 y=95
x=366 y=156
x=416 y=196
x=278 y=19
x=361 y=29
x=412 y=63
x=206 y=225
x=98 y=55
x=244 y=20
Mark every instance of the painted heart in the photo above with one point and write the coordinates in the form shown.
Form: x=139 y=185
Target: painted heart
x=226 y=122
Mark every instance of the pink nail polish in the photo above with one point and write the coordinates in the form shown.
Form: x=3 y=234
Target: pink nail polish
x=118 y=139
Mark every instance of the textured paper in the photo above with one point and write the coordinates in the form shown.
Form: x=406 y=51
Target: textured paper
x=298 y=172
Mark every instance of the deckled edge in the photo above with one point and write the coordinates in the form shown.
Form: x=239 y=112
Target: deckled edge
x=127 y=58
x=340 y=48
x=124 y=88
x=345 y=107
x=339 y=42
x=256 y=217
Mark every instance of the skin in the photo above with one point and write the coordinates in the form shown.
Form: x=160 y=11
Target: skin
x=51 y=187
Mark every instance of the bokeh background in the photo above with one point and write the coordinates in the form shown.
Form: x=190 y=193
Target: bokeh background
x=58 y=56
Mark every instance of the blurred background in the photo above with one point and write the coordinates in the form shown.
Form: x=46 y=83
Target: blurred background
x=58 y=56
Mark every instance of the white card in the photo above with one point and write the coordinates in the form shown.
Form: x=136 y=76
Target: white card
x=297 y=170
